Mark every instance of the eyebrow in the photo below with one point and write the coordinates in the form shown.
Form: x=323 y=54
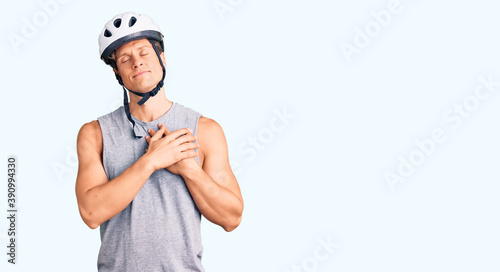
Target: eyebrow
x=138 y=48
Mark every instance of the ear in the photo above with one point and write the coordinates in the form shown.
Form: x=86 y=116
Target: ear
x=162 y=56
x=118 y=77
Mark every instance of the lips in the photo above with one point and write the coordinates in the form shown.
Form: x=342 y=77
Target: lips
x=140 y=74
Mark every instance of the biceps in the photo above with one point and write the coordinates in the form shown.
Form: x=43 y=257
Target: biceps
x=216 y=163
x=219 y=170
x=90 y=173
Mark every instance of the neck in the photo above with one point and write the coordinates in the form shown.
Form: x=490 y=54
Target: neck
x=153 y=109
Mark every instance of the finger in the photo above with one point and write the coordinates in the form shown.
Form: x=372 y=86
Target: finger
x=167 y=131
x=190 y=132
x=188 y=154
x=151 y=132
x=174 y=135
x=185 y=139
x=159 y=134
x=148 y=138
x=187 y=134
x=188 y=146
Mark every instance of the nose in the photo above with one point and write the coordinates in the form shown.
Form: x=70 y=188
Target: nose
x=137 y=62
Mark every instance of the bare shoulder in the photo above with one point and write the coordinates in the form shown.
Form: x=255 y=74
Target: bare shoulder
x=207 y=126
x=90 y=137
x=210 y=135
x=208 y=129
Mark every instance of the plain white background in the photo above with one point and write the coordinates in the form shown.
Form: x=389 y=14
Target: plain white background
x=315 y=176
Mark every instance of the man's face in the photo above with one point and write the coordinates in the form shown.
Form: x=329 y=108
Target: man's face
x=139 y=66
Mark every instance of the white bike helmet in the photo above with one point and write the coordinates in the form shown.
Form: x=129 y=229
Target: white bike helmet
x=120 y=30
x=125 y=28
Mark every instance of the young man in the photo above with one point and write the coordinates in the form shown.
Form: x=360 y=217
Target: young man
x=148 y=169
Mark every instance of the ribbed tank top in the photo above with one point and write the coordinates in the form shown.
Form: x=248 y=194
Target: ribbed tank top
x=160 y=229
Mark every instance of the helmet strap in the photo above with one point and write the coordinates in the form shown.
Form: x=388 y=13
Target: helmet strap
x=145 y=96
x=127 y=111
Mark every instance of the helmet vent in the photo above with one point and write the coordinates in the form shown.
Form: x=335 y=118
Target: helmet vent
x=132 y=21
x=107 y=33
x=117 y=22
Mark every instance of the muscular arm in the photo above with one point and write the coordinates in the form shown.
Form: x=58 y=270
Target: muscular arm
x=100 y=199
x=214 y=187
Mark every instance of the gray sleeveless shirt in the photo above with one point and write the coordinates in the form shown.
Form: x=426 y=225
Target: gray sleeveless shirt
x=160 y=229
